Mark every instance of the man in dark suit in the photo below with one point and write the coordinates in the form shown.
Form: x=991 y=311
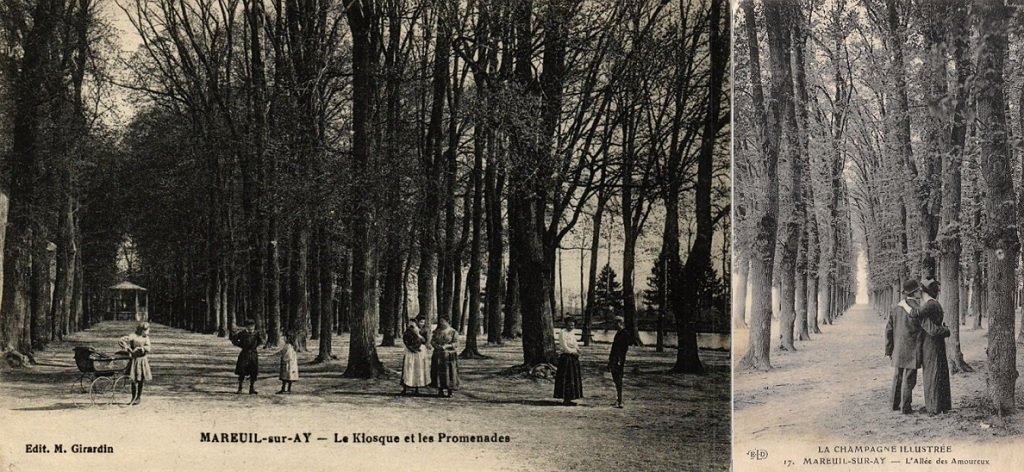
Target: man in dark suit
x=617 y=357
x=903 y=344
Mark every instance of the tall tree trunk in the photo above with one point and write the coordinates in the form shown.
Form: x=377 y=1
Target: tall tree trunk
x=949 y=222
x=495 y=248
x=40 y=298
x=628 y=266
x=1002 y=244
x=254 y=183
x=763 y=251
x=807 y=250
x=326 y=293
x=24 y=168
x=925 y=187
x=427 y=286
x=345 y=292
x=313 y=275
x=473 y=278
x=528 y=195
x=739 y=290
x=595 y=246
x=274 y=322
x=363 y=361
x=299 y=280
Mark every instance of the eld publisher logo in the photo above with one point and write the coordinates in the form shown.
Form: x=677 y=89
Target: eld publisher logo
x=757 y=454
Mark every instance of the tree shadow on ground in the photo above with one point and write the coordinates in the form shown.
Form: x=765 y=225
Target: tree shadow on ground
x=55 y=406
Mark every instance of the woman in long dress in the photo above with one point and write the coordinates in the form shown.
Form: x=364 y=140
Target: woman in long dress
x=416 y=365
x=937 y=396
x=568 y=379
x=445 y=367
x=137 y=344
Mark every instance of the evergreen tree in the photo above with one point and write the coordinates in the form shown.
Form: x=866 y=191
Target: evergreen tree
x=654 y=295
x=607 y=294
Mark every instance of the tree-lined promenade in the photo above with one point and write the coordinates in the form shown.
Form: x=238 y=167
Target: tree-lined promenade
x=896 y=145
x=192 y=392
x=330 y=166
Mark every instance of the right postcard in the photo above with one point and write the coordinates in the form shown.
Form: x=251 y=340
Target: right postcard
x=878 y=214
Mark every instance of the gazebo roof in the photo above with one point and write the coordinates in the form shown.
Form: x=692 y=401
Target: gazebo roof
x=126 y=285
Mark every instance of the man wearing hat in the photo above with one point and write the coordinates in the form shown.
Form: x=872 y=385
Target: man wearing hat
x=248 y=364
x=903 y=344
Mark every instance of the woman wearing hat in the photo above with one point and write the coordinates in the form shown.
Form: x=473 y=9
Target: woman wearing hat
x=137 y=344
x=416 y=365
x=248 y=364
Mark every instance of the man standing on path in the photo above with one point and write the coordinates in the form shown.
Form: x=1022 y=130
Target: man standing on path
x=903 y=344
x=617 y=357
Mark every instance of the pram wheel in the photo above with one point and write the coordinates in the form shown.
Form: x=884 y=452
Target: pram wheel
x=99 y=390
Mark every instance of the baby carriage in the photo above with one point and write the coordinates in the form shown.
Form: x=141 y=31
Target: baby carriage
x=103 y=376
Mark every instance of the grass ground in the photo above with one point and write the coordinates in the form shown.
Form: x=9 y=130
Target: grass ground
x=671 y=422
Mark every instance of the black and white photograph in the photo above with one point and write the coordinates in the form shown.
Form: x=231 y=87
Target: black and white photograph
x=489 y=235
x=878 y=206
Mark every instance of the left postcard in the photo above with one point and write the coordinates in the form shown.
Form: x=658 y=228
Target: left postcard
x=314 y=234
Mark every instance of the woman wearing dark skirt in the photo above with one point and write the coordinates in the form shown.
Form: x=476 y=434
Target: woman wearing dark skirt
x=248 y=364
x=444 y=368
x=568 y=379
x=937 y=396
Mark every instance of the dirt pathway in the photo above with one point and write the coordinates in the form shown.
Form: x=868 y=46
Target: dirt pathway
x=682 y=422
x=836 y=388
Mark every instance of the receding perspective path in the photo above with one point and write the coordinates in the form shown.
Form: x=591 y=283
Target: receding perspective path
x=678 y=419
x=836 y=388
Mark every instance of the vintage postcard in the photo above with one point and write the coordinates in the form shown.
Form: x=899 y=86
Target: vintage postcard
x=365 y=235
x=876 y=289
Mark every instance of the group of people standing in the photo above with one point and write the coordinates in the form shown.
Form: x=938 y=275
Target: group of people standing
x=915 y=338
x=248 y=364
x=436 y=363
x=433 y=363
x=569 y=377
x=430 y=364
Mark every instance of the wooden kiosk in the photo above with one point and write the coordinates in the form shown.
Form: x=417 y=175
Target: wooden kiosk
x=128 y=302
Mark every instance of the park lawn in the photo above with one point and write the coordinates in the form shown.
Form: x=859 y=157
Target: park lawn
x=671 y=421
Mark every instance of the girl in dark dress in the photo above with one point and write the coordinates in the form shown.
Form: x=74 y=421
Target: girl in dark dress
x=937 y=396
x=248 y=364
x=569 y=378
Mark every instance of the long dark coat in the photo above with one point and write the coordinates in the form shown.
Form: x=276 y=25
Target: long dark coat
x=937 y=396
x=248 y=360
x=903 y=335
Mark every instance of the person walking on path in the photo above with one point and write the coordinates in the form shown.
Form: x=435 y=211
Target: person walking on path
x=569 y=378
x=445 y=366
x=937 y=396
x=903 y=345
x=617 y=357
x=289 y=364
x=137 y=344
x=248 y=364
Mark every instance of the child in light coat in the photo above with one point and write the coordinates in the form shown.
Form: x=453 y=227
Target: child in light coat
x=289 y=364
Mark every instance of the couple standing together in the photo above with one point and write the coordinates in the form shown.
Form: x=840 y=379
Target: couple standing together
x=915 y=338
